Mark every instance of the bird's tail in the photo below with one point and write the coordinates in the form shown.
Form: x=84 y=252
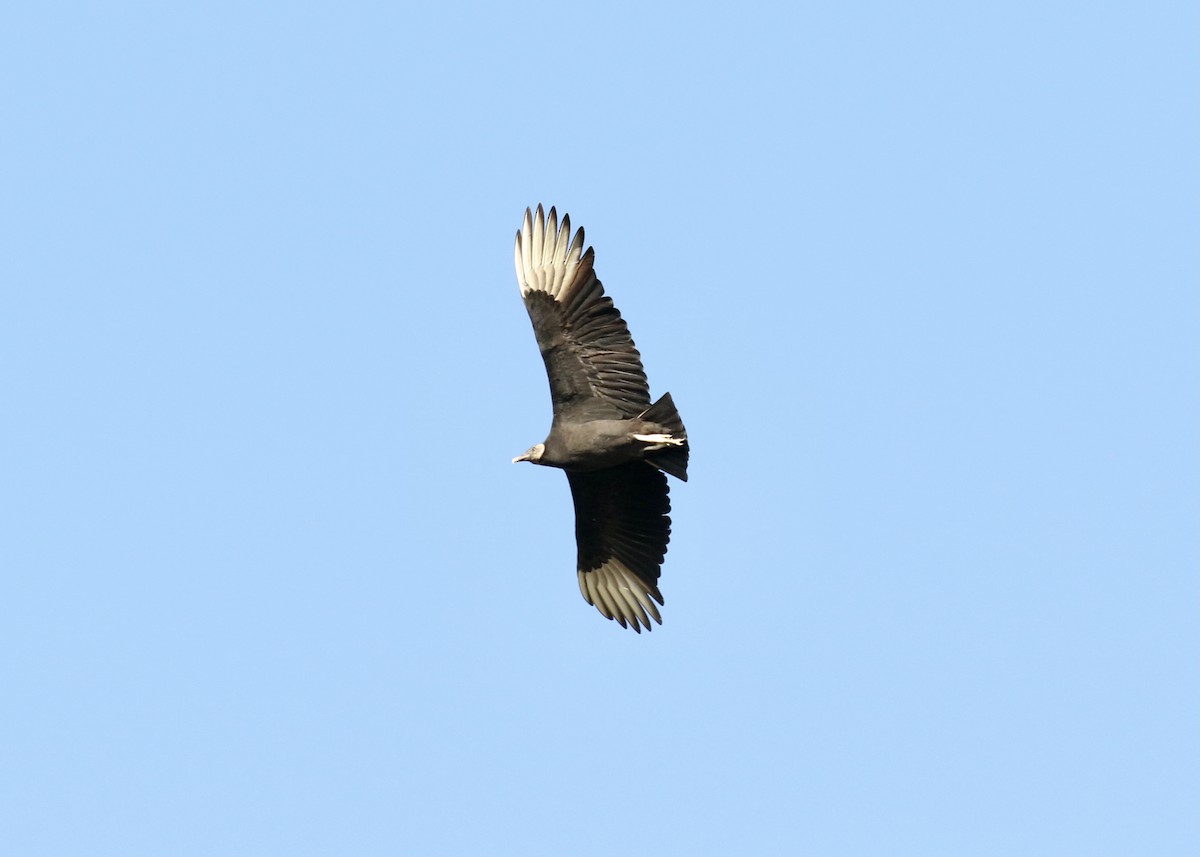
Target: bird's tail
x=672 y=459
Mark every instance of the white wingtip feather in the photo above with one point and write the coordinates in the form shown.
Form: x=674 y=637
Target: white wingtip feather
x=634 y=610
x=524 y=240
x=548 y=257
x=551 y=239
x=600 y=596
x=644 y=600
x=619 y=594
x=537 y=249
x=519 y=263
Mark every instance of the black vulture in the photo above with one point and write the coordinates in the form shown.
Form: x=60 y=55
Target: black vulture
x=612 y=442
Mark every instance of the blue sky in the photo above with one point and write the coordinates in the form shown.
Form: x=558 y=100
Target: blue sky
x=922 y=279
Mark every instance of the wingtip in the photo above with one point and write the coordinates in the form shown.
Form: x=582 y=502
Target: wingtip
x=619 y=595
x=552 y=258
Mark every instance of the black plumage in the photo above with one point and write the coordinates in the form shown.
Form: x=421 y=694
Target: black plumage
x=612 y=442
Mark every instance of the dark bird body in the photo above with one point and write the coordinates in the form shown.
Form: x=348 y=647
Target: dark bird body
x=612 y=442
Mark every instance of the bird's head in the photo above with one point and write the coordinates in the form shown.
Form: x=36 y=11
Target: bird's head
x=534 y=454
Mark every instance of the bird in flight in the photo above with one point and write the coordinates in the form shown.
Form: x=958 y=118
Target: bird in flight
x=614 y=445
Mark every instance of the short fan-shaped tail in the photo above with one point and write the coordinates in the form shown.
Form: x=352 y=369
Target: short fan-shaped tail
x=672 y=459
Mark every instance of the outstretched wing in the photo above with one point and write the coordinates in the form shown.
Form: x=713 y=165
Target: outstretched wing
x=622 y=529
x=593 y=366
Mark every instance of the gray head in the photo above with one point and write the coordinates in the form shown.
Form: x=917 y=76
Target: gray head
x=534 y=454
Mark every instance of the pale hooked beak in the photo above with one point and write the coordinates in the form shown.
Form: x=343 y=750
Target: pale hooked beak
x=533 y=454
